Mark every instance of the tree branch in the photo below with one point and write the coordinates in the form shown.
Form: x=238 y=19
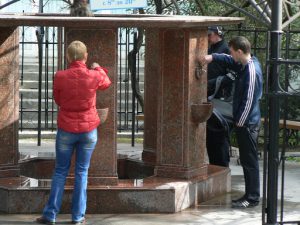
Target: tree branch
x=245 y=5
x=69 y=2
x=200 y=6
x=159 y=7
x=8 y=3
x=176 y=6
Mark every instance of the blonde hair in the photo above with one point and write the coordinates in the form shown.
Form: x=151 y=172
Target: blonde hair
x=76 y=51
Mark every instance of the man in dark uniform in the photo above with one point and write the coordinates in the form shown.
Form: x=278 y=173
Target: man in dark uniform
x=217 y=135
x=216 y=45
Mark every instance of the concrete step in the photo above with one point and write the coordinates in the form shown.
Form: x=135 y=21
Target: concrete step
x=33 y=58
x=34 y=66
x=32 y=115
x=33 y=104
x=30 y=56
x=29 y=121
x=33 y=134
x=124 y=85
x=33 y=84
x=33 y=124
x=33 y=93
x=33 y=74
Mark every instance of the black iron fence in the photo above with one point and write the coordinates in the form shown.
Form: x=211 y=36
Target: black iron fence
x=37 y=101
x=289 y=112
x=37 y=108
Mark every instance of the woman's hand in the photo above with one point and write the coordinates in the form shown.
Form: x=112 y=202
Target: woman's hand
x=94 y=65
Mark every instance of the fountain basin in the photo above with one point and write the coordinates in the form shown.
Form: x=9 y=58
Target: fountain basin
x=201 y=112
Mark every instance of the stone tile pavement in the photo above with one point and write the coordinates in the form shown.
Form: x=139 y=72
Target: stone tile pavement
x=214 y=212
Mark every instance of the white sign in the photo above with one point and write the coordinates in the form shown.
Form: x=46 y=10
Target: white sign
x=117 y=4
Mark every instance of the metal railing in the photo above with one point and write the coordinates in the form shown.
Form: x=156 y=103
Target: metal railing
x=43 y=106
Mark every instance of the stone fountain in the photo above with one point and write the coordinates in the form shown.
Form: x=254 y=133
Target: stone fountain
x=173 y=169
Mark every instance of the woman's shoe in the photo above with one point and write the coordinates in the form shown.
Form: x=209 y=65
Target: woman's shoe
x=43 y=220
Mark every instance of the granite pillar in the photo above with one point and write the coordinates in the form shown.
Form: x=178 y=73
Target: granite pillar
x=102 y=48
x=152 y=71
x=181 y=143
x=9 y=101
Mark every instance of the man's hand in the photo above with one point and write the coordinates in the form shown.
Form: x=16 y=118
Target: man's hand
x=94 y=65
x=203 y=60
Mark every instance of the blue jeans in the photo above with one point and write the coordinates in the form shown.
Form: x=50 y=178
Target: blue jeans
x=66 y=143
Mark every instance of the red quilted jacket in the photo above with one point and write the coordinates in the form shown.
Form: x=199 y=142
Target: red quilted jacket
x=74 y=91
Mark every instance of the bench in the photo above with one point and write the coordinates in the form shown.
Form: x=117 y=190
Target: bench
x=139 y=117
x=292 y=137
x=292 y=130
x=290 y=124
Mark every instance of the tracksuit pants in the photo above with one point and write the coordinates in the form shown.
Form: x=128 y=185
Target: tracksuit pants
x=247 y=142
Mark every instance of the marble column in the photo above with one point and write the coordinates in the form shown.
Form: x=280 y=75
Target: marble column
x=9 y=101
x=102 y=48
x=181 y=143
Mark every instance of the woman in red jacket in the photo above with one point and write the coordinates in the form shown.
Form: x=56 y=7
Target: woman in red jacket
x=75 y=94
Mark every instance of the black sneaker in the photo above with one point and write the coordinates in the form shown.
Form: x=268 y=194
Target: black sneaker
x=244 y=203
x=238 y=200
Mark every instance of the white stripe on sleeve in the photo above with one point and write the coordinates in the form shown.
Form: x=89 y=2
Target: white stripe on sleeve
x=250 y=95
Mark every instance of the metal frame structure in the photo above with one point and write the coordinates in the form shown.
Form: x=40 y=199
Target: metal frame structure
x=274 y=93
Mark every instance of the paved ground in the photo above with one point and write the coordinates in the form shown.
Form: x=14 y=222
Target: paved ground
x=214 y=212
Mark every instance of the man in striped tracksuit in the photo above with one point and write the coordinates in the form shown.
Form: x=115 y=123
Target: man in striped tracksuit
x=246 y=112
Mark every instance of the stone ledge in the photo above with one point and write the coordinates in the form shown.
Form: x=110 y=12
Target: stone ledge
x=149 y=195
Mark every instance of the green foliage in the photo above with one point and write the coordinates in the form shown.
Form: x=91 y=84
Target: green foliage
x=128 y=140
x=293 y=159
x=214 y=8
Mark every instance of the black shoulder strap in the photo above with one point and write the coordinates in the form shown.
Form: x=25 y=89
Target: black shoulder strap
x=217 y=87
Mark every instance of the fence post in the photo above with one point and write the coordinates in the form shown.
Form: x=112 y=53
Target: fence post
x=273 y=161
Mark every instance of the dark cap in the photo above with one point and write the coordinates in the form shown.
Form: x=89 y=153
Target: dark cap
x=215 y=29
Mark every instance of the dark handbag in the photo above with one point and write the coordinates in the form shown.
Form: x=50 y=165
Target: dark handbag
x=221 y=119
x=224 y=109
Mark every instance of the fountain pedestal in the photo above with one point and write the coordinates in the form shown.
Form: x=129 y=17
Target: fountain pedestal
x=180 y=141
x=9 y=101
x=102 y=48
x=174 y=140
